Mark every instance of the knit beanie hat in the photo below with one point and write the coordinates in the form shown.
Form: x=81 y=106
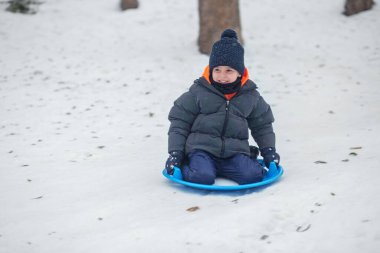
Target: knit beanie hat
x=227 y=52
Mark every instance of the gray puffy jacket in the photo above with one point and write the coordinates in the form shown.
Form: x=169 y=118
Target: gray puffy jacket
x=203 y=119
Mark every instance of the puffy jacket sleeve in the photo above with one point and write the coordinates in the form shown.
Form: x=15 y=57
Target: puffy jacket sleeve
x=260 y=123
x=181 y=117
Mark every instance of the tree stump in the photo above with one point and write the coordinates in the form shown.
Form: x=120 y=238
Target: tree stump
x=214 y=17
x=129 y=4
x=355 y=6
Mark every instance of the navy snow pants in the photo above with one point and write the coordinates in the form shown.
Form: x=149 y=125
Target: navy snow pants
x=203 y=168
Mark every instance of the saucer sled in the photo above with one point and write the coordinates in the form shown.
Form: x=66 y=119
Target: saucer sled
x=273 y=174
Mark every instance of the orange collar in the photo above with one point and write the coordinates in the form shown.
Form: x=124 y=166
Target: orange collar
x=244 y=79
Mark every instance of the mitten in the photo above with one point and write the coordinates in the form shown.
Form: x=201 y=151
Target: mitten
x=270 y=155
x=175 y=159
x=254 y=152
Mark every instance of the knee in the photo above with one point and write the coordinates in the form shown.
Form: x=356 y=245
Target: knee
x=252 y=176
x=201 y=169
x=200 y=177
x=250 y=170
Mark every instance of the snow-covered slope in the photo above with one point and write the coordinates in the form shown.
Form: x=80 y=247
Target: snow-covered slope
x=84 y=94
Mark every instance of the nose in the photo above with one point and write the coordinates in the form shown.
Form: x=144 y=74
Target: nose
x=223 y=76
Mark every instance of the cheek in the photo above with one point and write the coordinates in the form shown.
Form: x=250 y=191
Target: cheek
x=215 y=75
x=233 y=77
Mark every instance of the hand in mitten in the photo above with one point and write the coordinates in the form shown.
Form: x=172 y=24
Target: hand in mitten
x=254 y=152
x=174 y=160
x=270 y=155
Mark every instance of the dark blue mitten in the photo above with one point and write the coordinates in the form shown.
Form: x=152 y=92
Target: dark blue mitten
x=269 y=155
x=175 y=159
x=254 y=152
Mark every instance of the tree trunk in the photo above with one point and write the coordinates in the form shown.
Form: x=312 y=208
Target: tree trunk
x=355 y=6
x=214 y=17
x=129 y=4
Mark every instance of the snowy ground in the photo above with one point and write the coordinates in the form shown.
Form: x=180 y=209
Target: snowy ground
x=84 y=94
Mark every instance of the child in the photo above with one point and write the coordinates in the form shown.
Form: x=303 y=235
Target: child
x=208 y=134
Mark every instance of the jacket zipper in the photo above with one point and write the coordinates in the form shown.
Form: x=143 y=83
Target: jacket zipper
x=225 y=127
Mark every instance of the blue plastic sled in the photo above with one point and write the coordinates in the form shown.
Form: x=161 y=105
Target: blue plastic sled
x=272 y=175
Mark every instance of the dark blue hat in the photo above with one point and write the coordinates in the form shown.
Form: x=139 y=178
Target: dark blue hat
x=227 y=52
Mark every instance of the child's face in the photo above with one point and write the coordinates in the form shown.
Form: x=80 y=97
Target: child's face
x=224 y=74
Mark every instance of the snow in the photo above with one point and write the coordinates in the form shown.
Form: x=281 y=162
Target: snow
x=85 y=90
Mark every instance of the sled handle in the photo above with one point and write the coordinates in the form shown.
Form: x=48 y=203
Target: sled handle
x=177 y=173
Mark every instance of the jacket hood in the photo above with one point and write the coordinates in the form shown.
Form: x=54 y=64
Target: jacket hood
x=206 y=75
x=245 y=81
